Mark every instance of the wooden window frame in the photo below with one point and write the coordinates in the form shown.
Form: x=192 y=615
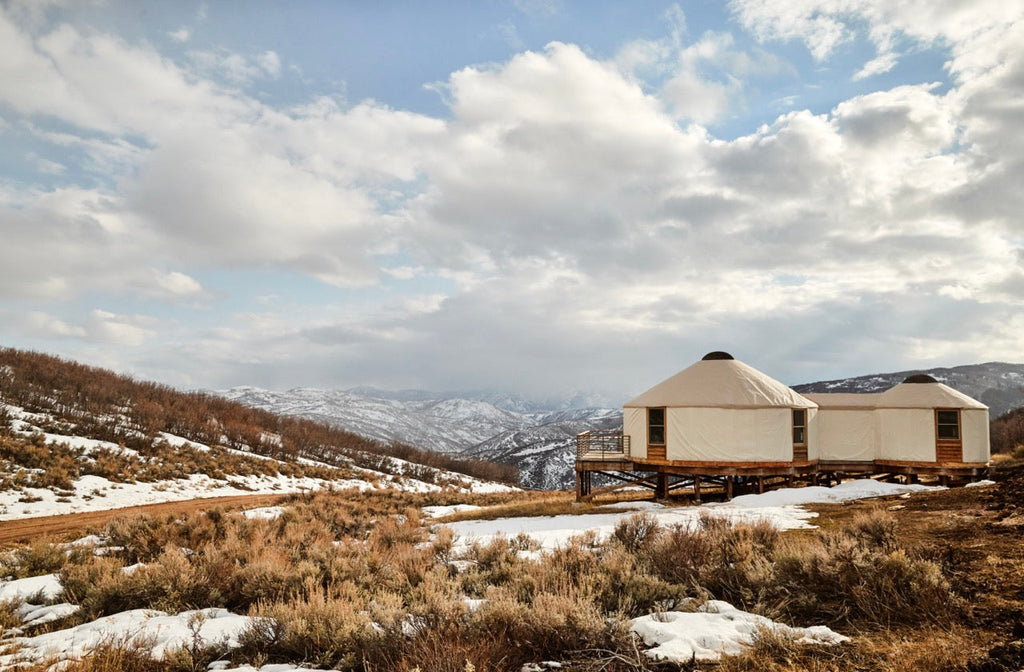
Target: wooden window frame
x=793 y=426
x=959 y=440
x=799 y=448
x=664 y=426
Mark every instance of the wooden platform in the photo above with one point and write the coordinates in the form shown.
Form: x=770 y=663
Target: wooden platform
x=730 y=478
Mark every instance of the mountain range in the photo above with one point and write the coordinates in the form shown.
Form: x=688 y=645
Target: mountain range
x=538 y=437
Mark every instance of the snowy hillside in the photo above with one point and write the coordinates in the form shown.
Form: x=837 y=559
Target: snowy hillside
x=95 y=486
x=442 y=425
x=75 y=438
x=996 y=384
x=545 y=454
x=540 y=444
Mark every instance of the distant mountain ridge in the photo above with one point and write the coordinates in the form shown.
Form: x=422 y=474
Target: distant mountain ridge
x=998 y=385
x=537 y=439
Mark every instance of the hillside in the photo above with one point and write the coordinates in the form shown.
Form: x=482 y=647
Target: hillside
x=76 y=438
x=545 y=454
x=441 y=425
x=536 y=440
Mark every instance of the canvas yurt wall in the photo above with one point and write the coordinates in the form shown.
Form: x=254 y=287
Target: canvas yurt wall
x=634 y=425
x=719 y=410
x=847 y=427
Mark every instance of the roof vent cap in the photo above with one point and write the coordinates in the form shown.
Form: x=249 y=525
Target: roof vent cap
x=920 y=378
x=717 y=354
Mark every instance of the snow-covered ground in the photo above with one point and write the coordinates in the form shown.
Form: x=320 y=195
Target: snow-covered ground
x=714 y=629
x=161 y=631
x=782 y=508
x=94 y=493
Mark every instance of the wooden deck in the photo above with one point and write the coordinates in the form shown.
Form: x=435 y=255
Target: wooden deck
x=607 y=454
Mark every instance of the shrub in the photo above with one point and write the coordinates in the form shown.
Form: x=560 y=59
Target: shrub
x=321 y=629
x=845 y=577
x=636 y=531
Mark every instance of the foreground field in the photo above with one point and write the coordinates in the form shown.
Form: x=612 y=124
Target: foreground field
x=364 y=581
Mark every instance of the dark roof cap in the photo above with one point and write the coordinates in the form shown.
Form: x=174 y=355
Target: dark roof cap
x=920 y=378
x=717 y=354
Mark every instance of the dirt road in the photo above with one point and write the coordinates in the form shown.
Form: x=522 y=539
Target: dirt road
x=29 y=529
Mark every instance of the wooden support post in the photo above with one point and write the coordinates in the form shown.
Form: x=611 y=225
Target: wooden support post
x=579 y=487
x=661 y=488
x=814 y=478
x=760 y=485
x=728 y=488
x=696 y=489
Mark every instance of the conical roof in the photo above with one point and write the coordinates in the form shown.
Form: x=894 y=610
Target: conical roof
x=915 y=394
x=721 y=383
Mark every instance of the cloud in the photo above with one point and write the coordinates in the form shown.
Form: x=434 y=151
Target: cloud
x=567 y=224
x=181 y=35
x=99 y=327
x=236 y=68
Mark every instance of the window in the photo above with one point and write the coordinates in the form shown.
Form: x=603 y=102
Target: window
x=799 y=427
x=656 y=426
x=947 y=425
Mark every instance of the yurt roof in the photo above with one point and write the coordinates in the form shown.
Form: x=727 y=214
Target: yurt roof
x=926 y=395
x=718 y=381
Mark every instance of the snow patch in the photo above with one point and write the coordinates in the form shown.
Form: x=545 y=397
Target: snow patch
x=715 y=629
x=156 y=629
x=442 y=511
x=263 y=513
x=47 y=585
x=780 y=508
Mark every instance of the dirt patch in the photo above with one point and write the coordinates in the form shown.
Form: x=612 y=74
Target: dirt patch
x=977 y=536
x=31 y=529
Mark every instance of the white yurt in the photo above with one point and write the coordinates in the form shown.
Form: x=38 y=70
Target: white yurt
x=922 y=420
x=721 y=410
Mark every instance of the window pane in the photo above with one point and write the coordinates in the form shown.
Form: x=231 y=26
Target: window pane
x=656 y=416
x=948 y=417
x=657 y=435
x=798 y=435
x=799 y=417
x=949 y=431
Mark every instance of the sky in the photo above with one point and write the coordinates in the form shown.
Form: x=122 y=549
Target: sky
x=529 y=196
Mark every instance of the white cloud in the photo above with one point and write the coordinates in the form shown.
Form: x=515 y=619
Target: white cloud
x=580 y=229
x=236 y=68
x=131 y=331
x=181 y=35
x=877 y=66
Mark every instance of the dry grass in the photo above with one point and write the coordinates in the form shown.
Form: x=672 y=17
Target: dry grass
x=352 y=581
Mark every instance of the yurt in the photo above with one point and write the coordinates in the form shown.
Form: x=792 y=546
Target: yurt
x=922 y=420
x=720 y=410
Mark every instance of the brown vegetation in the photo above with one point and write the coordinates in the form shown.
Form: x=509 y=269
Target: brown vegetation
x=100 y=404
x=1007 y=433
x=355 y=581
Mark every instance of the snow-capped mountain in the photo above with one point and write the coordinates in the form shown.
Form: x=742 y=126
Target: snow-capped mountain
x=539 y=441
x=443 y=425
x=545 y=454
x=999 y=385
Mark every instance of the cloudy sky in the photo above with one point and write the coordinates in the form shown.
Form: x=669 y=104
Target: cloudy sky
x=535 y=196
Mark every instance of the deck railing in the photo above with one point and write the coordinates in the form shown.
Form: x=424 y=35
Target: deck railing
x=598 y=445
